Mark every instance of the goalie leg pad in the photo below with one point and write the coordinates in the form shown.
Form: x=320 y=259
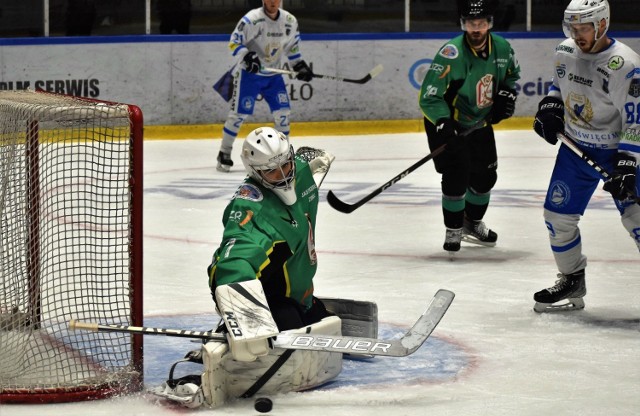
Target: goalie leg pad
x=359 y=318
x=226 y=378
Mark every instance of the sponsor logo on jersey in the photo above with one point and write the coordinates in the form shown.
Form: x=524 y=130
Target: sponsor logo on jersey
x=240 y=26
x=449 y=51
x=580 y=80
x=274 y=35
x=564 y=48
x=246 y=219
x=249 y=192
x=437 y=68
x=616 y=62
x=308 y=190
x=446 y=71
x=283 y=98
x=561 y=70
x=602 y=71
x=247 y=103
x=429 y=90
x=582 y=113
x=559 y=194
x=634 y=88
x=484 y=91
x=631 y=135
x=241 y=217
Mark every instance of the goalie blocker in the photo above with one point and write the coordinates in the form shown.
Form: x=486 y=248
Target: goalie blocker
x=247 y=364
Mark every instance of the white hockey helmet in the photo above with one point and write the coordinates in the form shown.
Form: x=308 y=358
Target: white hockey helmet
x=269 y=159
x=586 y=11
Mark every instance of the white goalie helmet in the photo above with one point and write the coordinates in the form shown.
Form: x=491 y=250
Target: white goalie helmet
x=586 y=11
x=269 y=159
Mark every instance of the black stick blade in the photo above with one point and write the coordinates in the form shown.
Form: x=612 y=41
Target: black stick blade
x=338 y=205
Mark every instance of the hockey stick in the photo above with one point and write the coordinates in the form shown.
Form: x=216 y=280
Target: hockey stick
x=582 y=155
x=372 y=74
x=401 y=347
x=345 y=208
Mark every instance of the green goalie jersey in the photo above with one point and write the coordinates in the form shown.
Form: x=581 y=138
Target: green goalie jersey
x=268 y=240
x=460 y=83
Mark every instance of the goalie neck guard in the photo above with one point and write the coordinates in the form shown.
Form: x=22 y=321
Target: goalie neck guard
x=269 y=159
x=586 y=11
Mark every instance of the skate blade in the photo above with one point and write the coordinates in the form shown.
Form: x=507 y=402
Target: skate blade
x=571 y=304
x=471 y=239
x=184 y=398
x=223 y=168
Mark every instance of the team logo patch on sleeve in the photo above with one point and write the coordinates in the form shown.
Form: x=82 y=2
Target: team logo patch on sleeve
x=634 y=88
x=449 y=51
x=249 y=192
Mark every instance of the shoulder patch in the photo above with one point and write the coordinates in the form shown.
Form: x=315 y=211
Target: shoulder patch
x=249 y=192
x=615 y=62
x=449 y=51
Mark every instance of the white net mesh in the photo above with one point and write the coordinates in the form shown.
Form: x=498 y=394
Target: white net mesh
x=65 y=243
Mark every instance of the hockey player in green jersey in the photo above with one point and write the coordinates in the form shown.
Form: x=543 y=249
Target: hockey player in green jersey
x=261 y=279
x=270 y=228
x=469 y=86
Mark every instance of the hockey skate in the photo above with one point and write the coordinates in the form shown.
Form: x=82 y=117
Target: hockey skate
x=452 y=240
x=187 y=390
x=570 y=287
x=476 y=232
x=224 y=162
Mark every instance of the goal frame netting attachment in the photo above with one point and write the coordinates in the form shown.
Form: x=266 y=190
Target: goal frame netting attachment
x=71 y=193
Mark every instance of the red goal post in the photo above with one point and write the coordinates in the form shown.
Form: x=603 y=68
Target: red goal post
x=70 y=246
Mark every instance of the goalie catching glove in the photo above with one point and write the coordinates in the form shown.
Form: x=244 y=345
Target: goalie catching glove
x=622 y=184
x=247 y=317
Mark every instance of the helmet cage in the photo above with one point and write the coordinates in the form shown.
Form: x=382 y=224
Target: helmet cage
x=263 y=173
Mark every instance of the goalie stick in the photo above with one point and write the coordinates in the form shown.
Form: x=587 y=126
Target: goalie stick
x=582 y=155
x=401 y=347
x=372 y=74
x=346 y=208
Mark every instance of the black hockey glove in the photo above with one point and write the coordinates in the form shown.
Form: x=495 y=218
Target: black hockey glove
x=446 y=129
x=252 y=62
x=304 y=72
x=622 y=184
x=549 y=119
x=504 y=104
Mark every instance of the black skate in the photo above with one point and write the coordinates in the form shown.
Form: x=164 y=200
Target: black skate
x=224 y=162
x=476 y=232
x=570 y=287
x=452 y=240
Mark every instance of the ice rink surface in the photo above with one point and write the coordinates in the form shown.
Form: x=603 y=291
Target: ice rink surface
x=490 y=355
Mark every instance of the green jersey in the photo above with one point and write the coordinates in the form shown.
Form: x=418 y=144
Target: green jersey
x=268 y=240
x=460 y=83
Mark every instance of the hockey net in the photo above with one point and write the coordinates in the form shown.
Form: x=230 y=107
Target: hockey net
x=70 y=246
